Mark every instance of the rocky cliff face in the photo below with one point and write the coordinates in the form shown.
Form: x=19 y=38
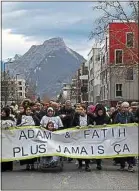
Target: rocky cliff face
x=47 y=65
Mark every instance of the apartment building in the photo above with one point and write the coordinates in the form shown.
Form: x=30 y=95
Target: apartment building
x=94 y=67
x=84 y=81
x=119 y=63
x=21 y=89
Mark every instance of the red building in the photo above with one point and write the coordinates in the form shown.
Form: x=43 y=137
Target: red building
x=119 y=79
x=123 y=43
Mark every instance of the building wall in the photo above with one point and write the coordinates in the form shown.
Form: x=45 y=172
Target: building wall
x=130 y=89
x=94 y=68
x=117 y=40
x=112 y=74
x=21 y=88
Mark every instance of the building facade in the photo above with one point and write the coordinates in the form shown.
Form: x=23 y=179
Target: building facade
x=84 y=81
x=21 y=89
x=94 y=67
x=119 y=63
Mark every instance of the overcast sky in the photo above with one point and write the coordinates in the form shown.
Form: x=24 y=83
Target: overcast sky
x=28 y=23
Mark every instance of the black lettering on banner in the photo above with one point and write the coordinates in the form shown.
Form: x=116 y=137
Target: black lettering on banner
x=34 y=151
x=16 y=150
x=39 y=134
x=66 y=150
x=100 y=149
x=122 y=131
x=23 y=154
x=67 y=135
x=126 y=148
x=116 y=149
x=76 y=151
x=95 y=134
x=86 y=133
x=29 y=133
x=104 y=132
x=92 y=148
x=59 y=151
x=42 y=148
x=47 y=134
x=83 y=150
x=22 y=135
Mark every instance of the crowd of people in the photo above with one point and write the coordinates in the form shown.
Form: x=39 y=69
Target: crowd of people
x=53 y=116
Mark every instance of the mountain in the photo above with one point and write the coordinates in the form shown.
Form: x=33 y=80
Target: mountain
x=47 y=65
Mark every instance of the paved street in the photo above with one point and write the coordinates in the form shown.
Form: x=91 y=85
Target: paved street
x=71 y=179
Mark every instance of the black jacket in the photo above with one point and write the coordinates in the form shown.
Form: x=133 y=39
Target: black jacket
x=101 y=120
x=68 y=119
x=76 y=120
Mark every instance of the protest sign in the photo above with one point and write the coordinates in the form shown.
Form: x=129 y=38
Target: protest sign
x=98 y=142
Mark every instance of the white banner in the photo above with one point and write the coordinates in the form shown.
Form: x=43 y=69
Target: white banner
x=97 y=142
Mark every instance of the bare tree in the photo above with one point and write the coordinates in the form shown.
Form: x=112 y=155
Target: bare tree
x=124 y=12
x=31 y=90
x=8 y=87
x=113 y=10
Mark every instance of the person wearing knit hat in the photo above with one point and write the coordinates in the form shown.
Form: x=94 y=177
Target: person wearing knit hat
x=50 y=116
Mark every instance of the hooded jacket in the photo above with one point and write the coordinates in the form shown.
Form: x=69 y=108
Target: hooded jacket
x=101 y=120
x=124 y=117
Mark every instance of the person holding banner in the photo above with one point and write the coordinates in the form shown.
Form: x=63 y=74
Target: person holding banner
x=6 y=121
x=101 y=118
x=50 y=117
x=28 y=119
x=66 y=114
x=81 y=118
x=125 y=117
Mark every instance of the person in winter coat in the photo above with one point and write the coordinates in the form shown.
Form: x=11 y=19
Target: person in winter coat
x=134 y=107
x=51 y=117
x=118 y=109
x=6 y=121
x=137 y=116
x=28 y=119
x=101 y=118
x=37 y=110
x=66 y=114
x=83 y=119
x=124 y=117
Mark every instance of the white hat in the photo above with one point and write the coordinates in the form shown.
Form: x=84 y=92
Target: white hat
x=50 y=108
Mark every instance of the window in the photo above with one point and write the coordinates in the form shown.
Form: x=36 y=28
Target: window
x=20 y=88
x=129 y=74
x=118 y=90
x=119 y=57
x=20 y=94
x=20 y=83
x=97 y=58
x=129 y=39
